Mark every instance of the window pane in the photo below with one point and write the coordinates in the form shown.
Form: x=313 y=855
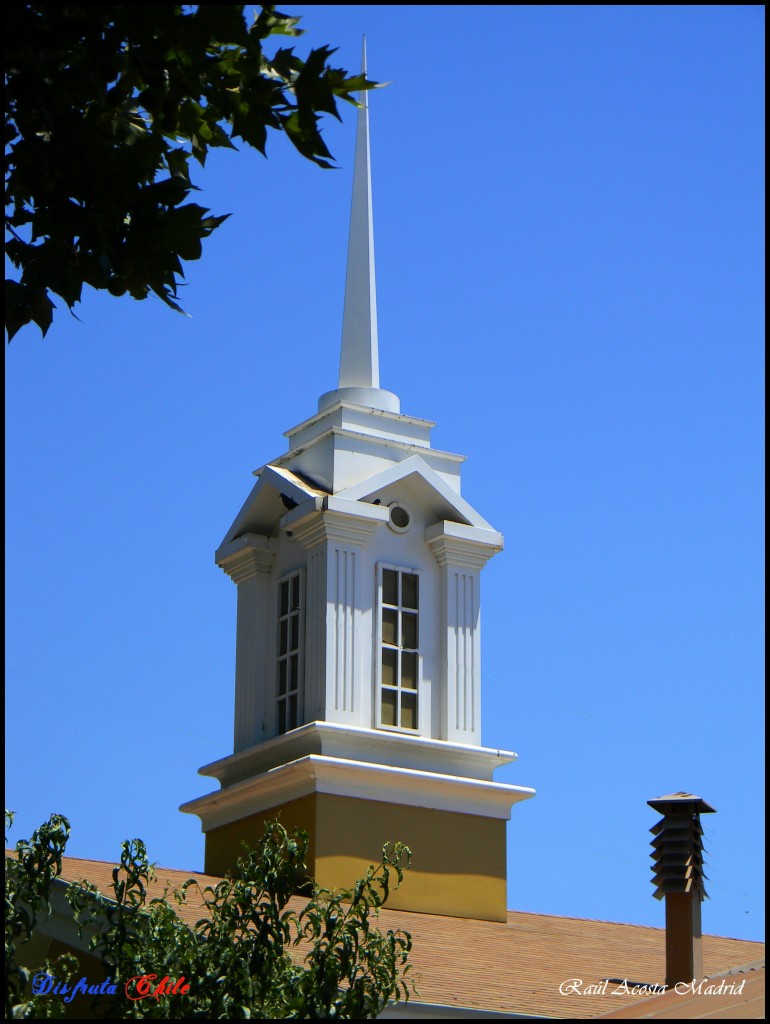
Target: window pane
x=288 y=691
x=409 y=589
x=408 y=710
x=409 y=670
x=409 y=630
x=389 y=586
x=399 y=624
x=389 y=667
x=389 y=707
x=390 y=626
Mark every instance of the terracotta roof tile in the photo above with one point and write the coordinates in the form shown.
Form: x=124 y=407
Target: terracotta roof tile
x=743 y=998
x=515 y=967
x=518 y=967
x=99 y=873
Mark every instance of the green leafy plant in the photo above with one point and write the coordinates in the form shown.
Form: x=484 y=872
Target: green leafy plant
x=28 y=879
x=257 y=950
x=106 y=105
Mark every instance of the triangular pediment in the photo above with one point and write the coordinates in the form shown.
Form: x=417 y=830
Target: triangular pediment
x=276 y=491
x=446 y=502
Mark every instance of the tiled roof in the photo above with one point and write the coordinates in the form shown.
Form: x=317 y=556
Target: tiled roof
x=99 y=873
x=519 y=967
x=740 y=995
x=516 y=967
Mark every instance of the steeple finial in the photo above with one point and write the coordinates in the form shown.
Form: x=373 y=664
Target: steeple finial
x=359 y=381
x=359 y=361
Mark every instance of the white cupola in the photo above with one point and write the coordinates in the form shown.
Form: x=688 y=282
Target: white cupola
x=358 y=671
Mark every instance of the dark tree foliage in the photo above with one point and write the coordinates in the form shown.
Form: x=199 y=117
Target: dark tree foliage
x=254 y=953
x=28 y=879
x=105 y=107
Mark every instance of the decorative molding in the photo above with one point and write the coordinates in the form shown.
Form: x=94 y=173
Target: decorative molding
x=355 y=780
x=382 y=414
x=466 y=547
x=342 y=529
x=247 y=556
x=310 y=530
x=357 y=743
x=354 y=526
x=416 y=448
x=376 y=441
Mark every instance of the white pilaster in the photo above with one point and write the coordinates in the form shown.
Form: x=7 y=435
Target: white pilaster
x=336 y=651
x=461 y=553
x=248 y=562
x=315 y=633
x=343 y=653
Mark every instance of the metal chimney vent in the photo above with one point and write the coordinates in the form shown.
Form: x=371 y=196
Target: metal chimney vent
x=678 y=844
x=677 y=853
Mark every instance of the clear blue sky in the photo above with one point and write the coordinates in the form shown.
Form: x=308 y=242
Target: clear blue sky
x=568 y=222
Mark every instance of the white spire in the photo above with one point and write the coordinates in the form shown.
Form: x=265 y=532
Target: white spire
x=359 y=361
x=359 y=382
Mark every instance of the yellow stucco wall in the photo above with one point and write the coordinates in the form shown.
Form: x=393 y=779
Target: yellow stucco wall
x=458 y=865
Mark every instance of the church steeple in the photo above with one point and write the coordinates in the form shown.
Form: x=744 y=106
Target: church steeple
x=359 y=379
x=357 y=669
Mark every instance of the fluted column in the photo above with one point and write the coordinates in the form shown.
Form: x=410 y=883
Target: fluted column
x=460 y=559
x=248 y=562
x=338 y=647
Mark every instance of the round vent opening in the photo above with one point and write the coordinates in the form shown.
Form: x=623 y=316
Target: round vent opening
x=399 y=517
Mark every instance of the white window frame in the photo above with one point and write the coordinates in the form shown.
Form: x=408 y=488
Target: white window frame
x=286 y=656
x=378 y=647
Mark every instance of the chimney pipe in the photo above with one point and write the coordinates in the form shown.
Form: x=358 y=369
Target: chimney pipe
x=677 y=853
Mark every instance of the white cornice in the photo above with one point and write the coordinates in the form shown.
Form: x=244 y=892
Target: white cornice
x=356 y=743
x=370 y=439
x=467 y=547
x=395 y=417
x=332 y=519
x=355 y=780
x=249 y=555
